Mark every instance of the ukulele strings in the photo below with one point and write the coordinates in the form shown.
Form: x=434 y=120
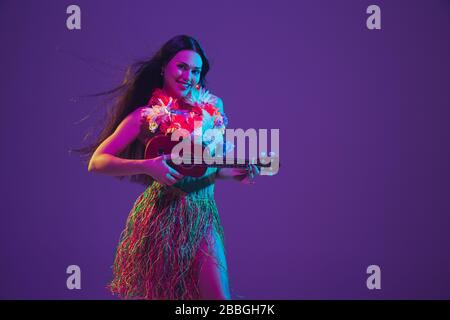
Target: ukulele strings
x=238 y=160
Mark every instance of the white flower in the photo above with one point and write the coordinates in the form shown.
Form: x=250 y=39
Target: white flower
x=197 y=97
x=207 y=120
x=151 y=113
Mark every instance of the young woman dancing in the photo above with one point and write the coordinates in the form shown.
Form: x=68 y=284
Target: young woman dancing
x=173 y=243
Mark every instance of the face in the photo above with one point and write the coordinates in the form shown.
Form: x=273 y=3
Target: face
x=182 y=73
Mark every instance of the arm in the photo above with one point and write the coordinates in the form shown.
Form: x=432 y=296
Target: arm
x=104 y=159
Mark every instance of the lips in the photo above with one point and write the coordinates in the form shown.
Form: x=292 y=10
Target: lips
x=185 y=85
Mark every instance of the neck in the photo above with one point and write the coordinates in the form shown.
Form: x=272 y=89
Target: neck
x=169 y=93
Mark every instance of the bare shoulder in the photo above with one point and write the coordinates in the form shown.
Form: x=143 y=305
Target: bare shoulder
x=140 y=112
x=133 y=120
x=126 y=132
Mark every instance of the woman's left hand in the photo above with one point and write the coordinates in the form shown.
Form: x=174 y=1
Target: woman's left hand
x=246 y=175
x=251 y=172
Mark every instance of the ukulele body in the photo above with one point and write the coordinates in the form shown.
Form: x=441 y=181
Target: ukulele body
x=162 y=144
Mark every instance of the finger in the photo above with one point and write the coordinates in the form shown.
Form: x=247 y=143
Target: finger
x=247 y=181
x=241 y=172
x=175 y=173
x=170 y=180
x=249 y=172
x=165 y=157
x=252 y=176
x=237 y=171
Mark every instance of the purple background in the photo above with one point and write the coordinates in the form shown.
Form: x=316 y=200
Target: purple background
x=363 y=118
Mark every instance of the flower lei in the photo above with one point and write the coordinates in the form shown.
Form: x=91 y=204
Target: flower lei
x=165 y=113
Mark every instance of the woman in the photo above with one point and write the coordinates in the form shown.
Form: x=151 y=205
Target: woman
x=173 y=243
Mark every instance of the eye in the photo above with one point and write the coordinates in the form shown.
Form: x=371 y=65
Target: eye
x=196 y=72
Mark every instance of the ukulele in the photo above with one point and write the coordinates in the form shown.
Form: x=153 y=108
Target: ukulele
x=162 y=144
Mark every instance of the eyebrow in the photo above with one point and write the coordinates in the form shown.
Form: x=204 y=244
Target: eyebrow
x=198 y=68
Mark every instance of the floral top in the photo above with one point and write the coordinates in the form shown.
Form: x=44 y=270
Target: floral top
x=196 y=113
x=167 y=114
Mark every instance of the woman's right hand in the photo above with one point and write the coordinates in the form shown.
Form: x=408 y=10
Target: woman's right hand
x=159 y=170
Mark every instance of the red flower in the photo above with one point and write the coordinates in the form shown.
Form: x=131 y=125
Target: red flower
x=176 y=122
x=159 y=94
x=197 y=110
x=211 y=109
x=168 y=123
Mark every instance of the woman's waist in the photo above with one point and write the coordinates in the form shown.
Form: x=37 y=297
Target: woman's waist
x=187 y=191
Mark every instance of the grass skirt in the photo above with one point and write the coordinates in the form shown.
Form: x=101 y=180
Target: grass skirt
x=155 y=258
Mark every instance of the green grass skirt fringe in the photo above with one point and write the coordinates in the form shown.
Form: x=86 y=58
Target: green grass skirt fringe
x=155 y=258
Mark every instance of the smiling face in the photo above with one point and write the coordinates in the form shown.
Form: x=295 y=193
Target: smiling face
x=182 y=73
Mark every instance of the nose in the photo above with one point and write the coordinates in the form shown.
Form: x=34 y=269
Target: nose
x=187 y=76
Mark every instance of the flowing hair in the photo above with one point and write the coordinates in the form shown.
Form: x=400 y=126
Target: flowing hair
x=140 y=80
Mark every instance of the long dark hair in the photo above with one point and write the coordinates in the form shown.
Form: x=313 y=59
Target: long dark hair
x=139 y=82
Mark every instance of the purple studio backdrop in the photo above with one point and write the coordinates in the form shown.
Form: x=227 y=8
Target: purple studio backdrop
x=363 y=118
